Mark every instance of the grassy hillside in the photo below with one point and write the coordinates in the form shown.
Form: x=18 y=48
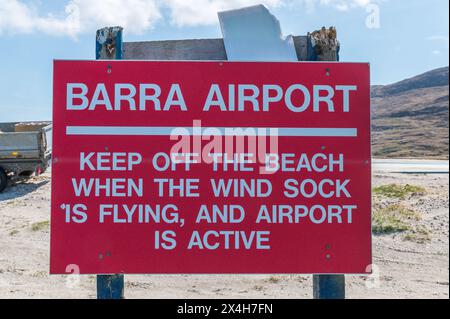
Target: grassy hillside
x=410 y=118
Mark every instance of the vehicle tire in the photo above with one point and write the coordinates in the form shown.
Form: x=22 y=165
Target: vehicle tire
x=3 y=180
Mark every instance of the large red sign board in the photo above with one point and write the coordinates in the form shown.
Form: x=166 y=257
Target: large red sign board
x=211 y=167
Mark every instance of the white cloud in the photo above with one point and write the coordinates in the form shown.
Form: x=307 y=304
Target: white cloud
x=204 y=12
x=345 y=5
x=79 y=16
x=18 y=17
x=136 y=16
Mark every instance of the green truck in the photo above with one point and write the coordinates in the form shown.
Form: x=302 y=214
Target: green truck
x=25 y=149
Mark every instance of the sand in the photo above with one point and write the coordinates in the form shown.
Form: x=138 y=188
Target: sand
x=403 y=268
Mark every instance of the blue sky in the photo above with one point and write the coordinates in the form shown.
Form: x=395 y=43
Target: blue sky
x=400 y=38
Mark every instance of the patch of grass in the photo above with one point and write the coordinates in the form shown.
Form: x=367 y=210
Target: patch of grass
x=274 y=279
x=419 y=235
x=13 y=232
x=40 y=225
x=393 y=218
x=398 y=191
x=40 y=274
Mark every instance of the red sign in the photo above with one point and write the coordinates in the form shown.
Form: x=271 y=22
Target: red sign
x=211 y=167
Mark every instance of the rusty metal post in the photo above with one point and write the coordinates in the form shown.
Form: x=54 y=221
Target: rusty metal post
x=324 y=46
x=109 y=46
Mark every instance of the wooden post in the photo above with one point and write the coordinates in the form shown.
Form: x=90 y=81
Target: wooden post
x=109 y=46
x=110 y=287
x=324 y=46
x=329 y=286
x=321 y=45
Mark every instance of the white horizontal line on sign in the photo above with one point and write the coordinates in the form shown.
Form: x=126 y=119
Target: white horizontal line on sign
x=207 y=131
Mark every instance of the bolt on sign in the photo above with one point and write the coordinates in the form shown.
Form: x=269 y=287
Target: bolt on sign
x=211 y=167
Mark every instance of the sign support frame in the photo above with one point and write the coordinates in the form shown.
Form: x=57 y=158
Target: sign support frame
x=109 y=46
x=327 y=286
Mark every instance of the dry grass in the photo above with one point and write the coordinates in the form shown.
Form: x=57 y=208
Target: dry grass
x=419 y=235
x=398 y=191
x=13 y=232
x=274 y=279
x=393 y=218
x=40 y=225
x=396 y=217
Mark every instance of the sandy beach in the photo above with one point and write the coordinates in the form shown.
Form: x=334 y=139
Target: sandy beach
x=407 y=264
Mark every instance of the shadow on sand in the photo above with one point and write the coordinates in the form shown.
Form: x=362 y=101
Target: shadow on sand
x=19 y=188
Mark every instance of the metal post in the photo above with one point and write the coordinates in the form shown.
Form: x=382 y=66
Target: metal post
x=109 y=46
x=324 y=46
